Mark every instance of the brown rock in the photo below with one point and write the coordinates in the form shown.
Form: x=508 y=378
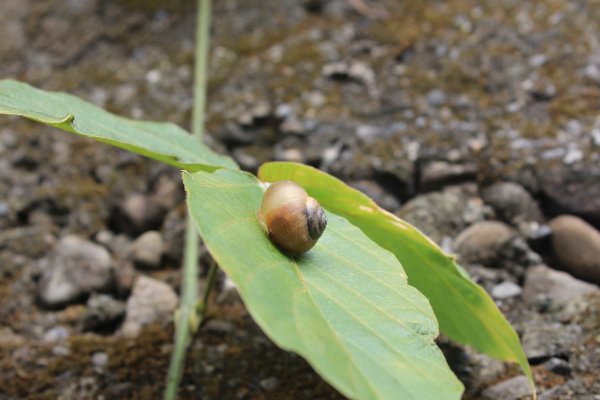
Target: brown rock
x=138 y=213
x=482 y=242
x=576 y=246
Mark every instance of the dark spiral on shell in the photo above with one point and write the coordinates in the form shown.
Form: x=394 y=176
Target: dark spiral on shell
x=316 y=221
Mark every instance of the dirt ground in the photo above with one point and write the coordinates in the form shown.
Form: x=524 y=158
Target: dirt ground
x=425 y=106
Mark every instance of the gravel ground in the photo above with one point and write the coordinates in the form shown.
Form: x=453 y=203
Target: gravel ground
x=476 y=121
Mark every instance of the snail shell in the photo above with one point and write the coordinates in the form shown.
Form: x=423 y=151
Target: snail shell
x=293 y=220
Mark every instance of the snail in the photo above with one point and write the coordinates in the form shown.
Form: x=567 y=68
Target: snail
x=293 y=220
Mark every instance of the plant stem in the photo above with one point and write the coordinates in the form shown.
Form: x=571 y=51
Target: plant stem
x=210 y=281
x=190 y=313
x=201 y=67
x=187 y=310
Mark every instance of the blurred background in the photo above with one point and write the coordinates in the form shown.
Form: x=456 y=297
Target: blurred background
x=477 y=121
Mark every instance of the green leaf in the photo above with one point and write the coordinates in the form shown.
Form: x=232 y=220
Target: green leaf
x=464 y=310
x=161 y=141
x=345 y=306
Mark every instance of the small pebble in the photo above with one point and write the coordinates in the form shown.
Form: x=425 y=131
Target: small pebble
x=99 y=359
x=436 y=97
x=220 y=327
x=506 y=290
x=56 y=334
x=269 y=384
x=147 y=249
x=61 y=351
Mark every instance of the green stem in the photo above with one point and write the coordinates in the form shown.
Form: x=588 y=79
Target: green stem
x=201 y=67
x=190 y=313
x=210 y=281
x=187 y=310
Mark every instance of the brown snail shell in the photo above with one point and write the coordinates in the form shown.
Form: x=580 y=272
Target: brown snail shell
x=293 y=219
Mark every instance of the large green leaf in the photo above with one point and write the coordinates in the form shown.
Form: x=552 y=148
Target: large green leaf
x=162 y=141
x=345 y=305
x=464 y=310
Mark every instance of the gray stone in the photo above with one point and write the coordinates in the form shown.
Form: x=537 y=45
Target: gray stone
x=506 y=290
x=125 y=275
x=512 y=203
x=383 y=198
x=549 y=340
x=151 y=302
x=482 y=243
x=396 y=175
x=576 y=245
x=135 y=208
x=437 y=174
x=139 y=213
x=485 y=370
x=104 y=237
x=572 y=191
x=147 y=249
x=74 y=269
x=99 y=359
x=559 y=393
x=558 y=366
x=291 y=154
x=444 y=213
x=578 y=310
x=516 y=388
x=61 y=350
x=119 y=245
x=596 y=134
x=573 y=155
x=102 y=311
x=559 y=288
x=167 y=192
x=56 y=334
x=436 y=97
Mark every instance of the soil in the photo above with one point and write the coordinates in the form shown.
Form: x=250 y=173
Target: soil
x=494 y=91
